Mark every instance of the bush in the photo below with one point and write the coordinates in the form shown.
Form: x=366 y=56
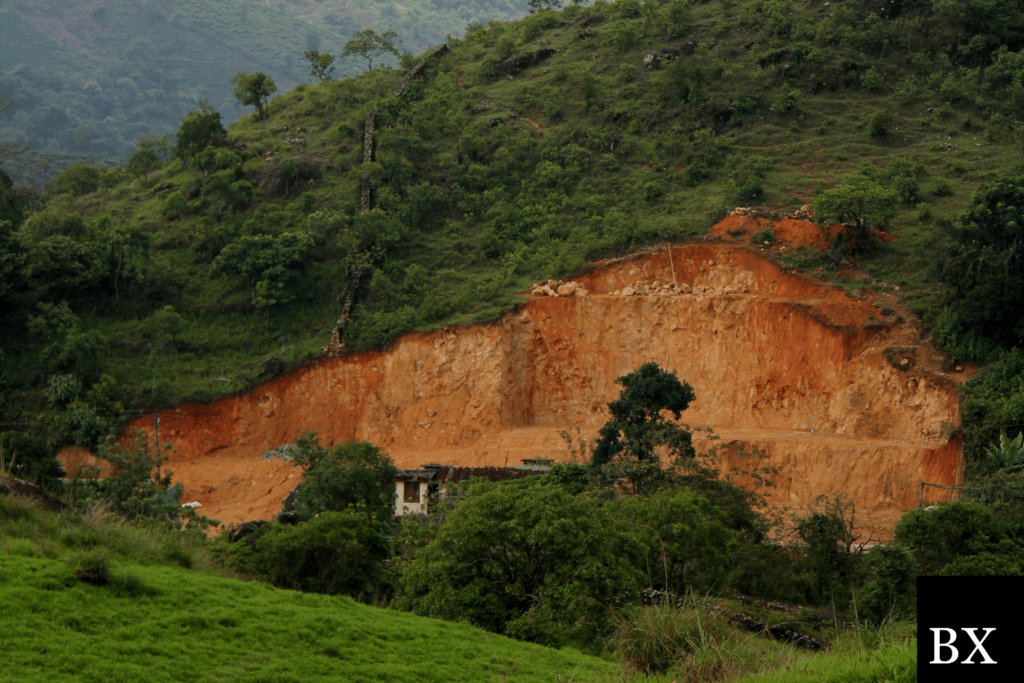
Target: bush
x=526 y=559
x=696 y=174
x=788 y=100
x=939 y=536
x=199 y=130
x=338 y=552
x=655 y=639
x=27 y=457
x=175 y=206
x=683 y=538
x=943 y=188
x=354 y=474
x=872 y=80
x=766 y=236
x=891 y=590
x=881 y=124
x=77 y=179
x=985 y=272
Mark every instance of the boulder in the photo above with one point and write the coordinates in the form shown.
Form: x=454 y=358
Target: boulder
x=243 y=531
x=568 y=289
x=651 y=61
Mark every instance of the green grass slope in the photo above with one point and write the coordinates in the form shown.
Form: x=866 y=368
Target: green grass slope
x=526 y=150
x=165 y=615
x=169 y=624
x=88 y=598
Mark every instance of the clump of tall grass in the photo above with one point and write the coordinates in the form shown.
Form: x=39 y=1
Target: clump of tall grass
x=659 y=638
x=36 y=531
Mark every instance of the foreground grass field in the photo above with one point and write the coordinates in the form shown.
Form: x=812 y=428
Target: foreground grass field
x=170 y=624
x=88 y=599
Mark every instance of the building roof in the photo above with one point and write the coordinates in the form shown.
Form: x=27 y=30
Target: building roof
x=446 y=473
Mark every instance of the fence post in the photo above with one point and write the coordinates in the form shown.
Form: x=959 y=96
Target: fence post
x=920 y=497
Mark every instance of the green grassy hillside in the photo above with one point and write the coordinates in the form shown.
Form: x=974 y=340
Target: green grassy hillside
x=524 y=151
x=87 y=598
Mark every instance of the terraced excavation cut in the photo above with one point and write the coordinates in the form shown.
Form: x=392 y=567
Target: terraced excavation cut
x=843 y=395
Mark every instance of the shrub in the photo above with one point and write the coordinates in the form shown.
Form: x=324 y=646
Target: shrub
x=526 y=559
x=891 y=590
x=77 y=179
x=872 y=80
x=766 y=236
x=655 y=639
x=338 y=552
x=683 y=538
x=788 y=100
x=696 y=174
x=943 y=188
x=939 y=536
x=354 y=474
x=881 y=124
x=175 y=206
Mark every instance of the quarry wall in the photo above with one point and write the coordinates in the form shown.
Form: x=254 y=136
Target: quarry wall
x=844 y=396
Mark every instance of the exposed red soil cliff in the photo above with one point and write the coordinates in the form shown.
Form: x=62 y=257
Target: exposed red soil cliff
x=778 y=362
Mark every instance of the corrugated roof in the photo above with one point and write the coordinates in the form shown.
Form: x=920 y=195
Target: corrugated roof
x=443 y=473
x=450 y=473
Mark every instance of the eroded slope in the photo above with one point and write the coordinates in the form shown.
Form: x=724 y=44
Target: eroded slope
x=795 y=368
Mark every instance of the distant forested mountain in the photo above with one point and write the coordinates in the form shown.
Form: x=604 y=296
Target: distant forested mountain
x=89 y=78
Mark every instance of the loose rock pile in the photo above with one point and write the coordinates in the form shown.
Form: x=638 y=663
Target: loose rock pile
x=804 y=213
x=560 y=288
x=666 y=289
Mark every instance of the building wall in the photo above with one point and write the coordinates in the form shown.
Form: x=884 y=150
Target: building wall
x=403 y=508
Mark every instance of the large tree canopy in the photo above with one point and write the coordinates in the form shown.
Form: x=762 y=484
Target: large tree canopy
x=637 y=426
x=254 y=89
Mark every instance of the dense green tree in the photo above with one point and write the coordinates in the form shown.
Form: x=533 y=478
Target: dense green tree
x=199 y=129
x=939 y=536
x=254 y=89
x=685 y=541
x=339 y=552
x=320 y=64
x=68 y=349
x=369 y=45
x=349 y=476
x=861 y=201
x=637 y=427
x=265 y=264
x=526 y=559
x=985 y=270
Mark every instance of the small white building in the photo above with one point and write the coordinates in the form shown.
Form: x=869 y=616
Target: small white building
x=416 y=489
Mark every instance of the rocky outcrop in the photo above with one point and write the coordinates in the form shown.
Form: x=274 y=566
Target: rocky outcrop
x=781 y=363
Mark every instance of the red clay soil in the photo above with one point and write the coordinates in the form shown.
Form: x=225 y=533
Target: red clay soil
x=790 y=232
x=778 y=362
